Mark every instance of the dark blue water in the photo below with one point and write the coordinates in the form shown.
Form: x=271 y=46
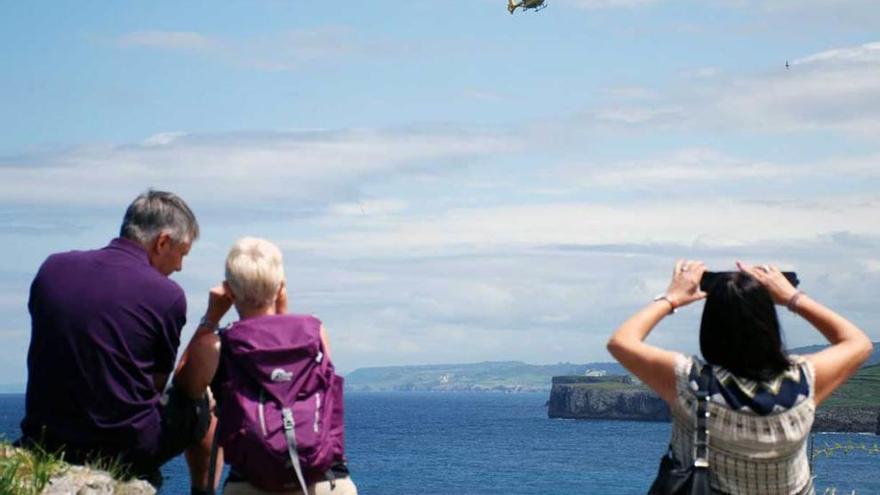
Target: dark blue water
x=402 y=443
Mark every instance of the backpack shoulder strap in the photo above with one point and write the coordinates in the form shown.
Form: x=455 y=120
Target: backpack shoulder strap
x=289 y=425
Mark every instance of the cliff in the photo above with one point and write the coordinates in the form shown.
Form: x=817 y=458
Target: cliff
x=854 y=407
x=848 y=419
x=614 y=397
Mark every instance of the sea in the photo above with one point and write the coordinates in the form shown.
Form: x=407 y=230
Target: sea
x=400 y=443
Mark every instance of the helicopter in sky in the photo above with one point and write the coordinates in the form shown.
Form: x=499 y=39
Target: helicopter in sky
x=535 y=5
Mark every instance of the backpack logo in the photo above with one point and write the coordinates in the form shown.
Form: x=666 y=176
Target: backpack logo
x=279 y=375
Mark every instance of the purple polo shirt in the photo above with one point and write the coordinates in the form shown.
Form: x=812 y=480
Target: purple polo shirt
x=103 y=322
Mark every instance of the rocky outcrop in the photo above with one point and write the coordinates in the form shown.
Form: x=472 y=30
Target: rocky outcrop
x=604 y=398
x=85 y=481
x=848 y=419
x=619 y=397
x=23 y=471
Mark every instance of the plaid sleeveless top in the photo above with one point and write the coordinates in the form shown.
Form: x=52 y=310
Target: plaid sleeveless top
x=758 y=431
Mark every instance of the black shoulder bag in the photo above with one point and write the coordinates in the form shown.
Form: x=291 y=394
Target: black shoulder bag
x=673 y=477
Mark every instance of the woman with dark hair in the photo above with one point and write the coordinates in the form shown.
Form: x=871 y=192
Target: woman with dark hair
x=761 y=401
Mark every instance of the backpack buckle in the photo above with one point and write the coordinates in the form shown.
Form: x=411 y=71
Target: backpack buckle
x=287 y=419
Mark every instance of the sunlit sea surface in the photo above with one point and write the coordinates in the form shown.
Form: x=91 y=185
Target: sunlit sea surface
x=492 y=443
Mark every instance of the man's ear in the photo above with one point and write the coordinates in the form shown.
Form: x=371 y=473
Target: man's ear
x=162 y=243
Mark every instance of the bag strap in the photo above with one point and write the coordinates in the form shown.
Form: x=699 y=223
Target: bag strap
x=701 y=421
x=289 y=425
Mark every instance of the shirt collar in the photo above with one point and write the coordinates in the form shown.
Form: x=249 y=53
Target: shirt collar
x=131 y=247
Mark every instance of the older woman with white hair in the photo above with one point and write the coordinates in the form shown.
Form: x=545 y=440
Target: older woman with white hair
x=279 y=400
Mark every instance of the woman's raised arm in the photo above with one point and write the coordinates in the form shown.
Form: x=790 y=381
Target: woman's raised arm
x=850 y=347
x=652 y=365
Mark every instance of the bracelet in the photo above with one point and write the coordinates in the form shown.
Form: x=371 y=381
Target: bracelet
x=205 y=322
x=662 y=297
x=793 y=300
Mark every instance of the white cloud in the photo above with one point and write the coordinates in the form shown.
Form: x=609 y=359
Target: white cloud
x=834 y=90
x=702 y=222
x=515 y=278
x=255 y=168
x=639 y=115
x=685 y=167
x=867 y=53
x=508 y=272
x=163 y=138
x=544 y=304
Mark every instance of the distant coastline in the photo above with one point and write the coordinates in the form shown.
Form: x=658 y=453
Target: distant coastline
x=495 y=376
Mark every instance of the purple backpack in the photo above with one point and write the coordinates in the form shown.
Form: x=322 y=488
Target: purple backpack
x=281 y=418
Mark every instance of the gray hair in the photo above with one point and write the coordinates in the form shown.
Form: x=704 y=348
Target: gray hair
x=154 y=212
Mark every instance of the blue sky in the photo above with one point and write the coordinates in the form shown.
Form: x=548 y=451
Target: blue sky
x=450 y=183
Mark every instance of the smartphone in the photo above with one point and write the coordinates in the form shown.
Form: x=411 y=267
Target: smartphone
x=711 y=278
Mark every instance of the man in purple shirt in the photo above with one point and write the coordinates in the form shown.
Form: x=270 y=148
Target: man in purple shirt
x=105 y=329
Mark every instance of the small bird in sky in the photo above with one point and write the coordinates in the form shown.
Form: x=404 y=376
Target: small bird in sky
x=787 y=66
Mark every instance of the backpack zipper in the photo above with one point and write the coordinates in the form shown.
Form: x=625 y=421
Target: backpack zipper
x=317 y=411
x=261 y=412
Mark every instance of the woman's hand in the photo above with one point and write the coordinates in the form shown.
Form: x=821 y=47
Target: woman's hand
x=653 y=365
x=850 y=347
x=219 y=302
x=777 y=285
x=685 y=285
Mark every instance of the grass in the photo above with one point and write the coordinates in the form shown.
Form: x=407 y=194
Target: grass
x=117 y=469
x=24 y=472
x=611 y=385
x=27 y=472
x=862 y=390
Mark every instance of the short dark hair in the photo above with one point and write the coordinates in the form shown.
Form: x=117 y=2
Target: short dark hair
x=740 y=329
x=154 y=212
